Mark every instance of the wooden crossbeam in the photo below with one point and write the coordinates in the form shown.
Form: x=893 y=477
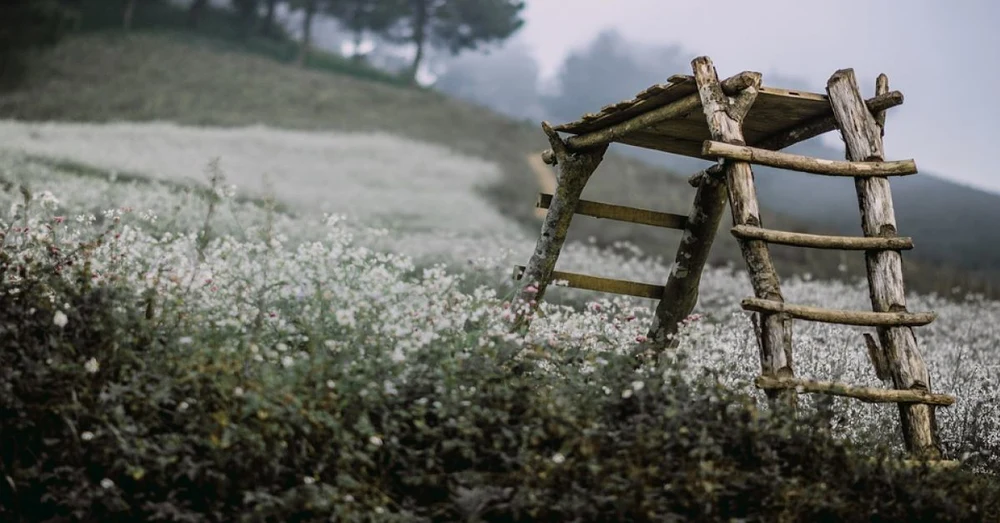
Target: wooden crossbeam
x=866 y=394
x=621 y=213
x=796 y=162
x=595 y=283
x=821 y=241
x=839 y=316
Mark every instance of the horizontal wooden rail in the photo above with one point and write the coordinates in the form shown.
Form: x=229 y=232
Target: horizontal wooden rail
x=820 y=241
x=841 y=317
x=595 y=283
x=621 y=213
x=807 y=164
x=866 y=394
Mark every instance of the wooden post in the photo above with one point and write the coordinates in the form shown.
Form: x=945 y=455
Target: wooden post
x=725 y=119
x=681 y=291
x=574 y=169
x=862 y=133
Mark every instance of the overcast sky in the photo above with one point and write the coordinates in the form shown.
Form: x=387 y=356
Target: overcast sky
x=943 y=56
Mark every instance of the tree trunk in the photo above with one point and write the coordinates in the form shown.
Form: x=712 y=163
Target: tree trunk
x=128 y=14
x=195 y=11
x=420 y=16
x=306 y=42
x=268 y=29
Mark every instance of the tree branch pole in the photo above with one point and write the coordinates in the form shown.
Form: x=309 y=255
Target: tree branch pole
x=862 y=134
x=574 y=170
x=725 y=122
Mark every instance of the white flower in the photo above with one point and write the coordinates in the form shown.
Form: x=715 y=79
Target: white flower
x=309 y=480
x=60 y=319
x=92 y=366
x=330 y=384
x=238 y=392
x=107 y=483
x=183 y=406
x=627 y=393
x=638 y=385
x=287 y=361
x=86 y=435
x=185 y=340
x=375 y=440
x=558 y=458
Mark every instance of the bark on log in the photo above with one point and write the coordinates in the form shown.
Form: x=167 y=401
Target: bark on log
x=866 y=394
x=863 y=137
x=807 y=164
x=825 y=124
x=821 y=241
x=725 y=125
x=574 y=169
x=680 y=294
x=839 y=316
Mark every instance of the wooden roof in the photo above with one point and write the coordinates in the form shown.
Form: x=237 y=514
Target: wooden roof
x=774 y=111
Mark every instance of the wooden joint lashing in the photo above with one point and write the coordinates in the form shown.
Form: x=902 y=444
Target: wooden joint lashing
x=807 y=164
x=596 y=283
x=819 y=241
x=716 y=171
x=621 y=213
x=839 y=316
x=866 y=394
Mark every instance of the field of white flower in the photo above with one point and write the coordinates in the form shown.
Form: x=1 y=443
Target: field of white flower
x=264 y=279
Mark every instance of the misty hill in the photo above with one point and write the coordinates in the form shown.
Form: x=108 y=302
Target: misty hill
x=192 y=80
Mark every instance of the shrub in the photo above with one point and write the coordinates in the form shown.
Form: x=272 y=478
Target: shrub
x=104 y=418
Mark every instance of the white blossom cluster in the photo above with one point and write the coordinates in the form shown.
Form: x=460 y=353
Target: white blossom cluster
x=268 y=281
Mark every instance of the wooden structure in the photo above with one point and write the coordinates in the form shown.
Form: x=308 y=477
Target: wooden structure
x=739 y=122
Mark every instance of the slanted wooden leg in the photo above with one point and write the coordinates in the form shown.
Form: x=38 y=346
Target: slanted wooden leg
x=725 y=122
x=862 y=133
x=574 y=170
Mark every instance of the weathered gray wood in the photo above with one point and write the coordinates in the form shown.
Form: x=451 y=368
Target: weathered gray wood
x=596 y=283
x=680 y=293
x=821 y=241
x=724 y=123
x=839 y=316
x=863 y=137
x=877 y=358
x=825 y=124
x=574 y=169
x=807 y=164
x=866 y=394
x=621 y=213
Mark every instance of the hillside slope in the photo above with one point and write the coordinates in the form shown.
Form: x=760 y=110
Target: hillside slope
x=166 y=76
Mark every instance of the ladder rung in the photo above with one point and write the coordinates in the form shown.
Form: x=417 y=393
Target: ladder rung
x=807 y=164
x=820 y=241
x=595 y=283
x=839 y=316
x=866 y=394
x=620 y=213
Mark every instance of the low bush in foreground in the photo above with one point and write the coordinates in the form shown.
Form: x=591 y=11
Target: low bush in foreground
x=105 y=418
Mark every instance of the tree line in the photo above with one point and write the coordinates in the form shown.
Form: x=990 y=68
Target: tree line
x=451 y=25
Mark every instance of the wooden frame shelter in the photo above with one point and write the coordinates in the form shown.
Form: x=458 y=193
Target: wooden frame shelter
x=739 y=122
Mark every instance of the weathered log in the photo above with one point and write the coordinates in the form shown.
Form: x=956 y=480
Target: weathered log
x=877 y=357
x=597 y=283
x=866 y=394
x=824 y=124
x=863 y=137
x=574 y=169
x=621 y=213
x=807 y=164
x=725 y=124
x=680 y=294
x=821 y=241
x=839 y=316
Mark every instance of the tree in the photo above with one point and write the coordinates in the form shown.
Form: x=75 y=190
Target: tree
x=311 y=7
x=127 y=14
x=455 y=25
x=362 y=16
x=248 y=13
x=195 y=12
x=27 y=25
x=268 y=26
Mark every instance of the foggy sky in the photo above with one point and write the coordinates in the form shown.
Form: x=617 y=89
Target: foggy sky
x=943 y=56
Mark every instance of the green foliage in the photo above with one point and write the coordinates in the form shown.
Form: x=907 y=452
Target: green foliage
x=27 y=25
x=105 y=418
